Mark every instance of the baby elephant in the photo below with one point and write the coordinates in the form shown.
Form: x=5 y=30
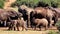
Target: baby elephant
x=15 y=24
x=41 y=22
x=23 y=24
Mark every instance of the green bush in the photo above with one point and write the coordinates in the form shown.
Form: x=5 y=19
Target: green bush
x=58 y=25
x=54 y=4
x=29 y=3
x=2 y=3
x=33 y=3
x=52 y=32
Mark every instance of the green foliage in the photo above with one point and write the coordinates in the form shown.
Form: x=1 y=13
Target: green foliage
x=52 y=32
x=58 y=23
x=54 y=4
x=2 y=3
x=29 y=3
x=33 y=3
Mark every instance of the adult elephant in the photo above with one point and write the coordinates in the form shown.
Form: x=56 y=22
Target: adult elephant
x=43 y=12
x=26 y=13
x=6 y=13
x=3 y=16
x=12 y=15
x=55 y=14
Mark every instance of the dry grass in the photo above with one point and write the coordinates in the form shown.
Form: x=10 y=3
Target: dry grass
x=22 y=32
x=5 y=31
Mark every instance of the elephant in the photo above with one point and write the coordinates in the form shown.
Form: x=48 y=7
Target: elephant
x=26 y=13
x=44 y=12
x=15 y=24
x=22 y=24
x=13 y=15
x=3 y=16
x=41 y=22
x=6 y=14
x=55 y=14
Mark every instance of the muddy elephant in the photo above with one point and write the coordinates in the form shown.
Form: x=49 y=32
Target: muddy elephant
x=43 y=12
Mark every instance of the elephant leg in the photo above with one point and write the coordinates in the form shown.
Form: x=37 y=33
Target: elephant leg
x=55 y=21
x=1 y=22
x=36 y=26
x=10 y=28
x=29 y=21
x=22 y=28
x=4 y=23
x=46 y=27
x=48 y=18
x=32 y=26
x=40 y=27
x=25 y=27
x=50 y=22
x=14 y=28
x=8 y=25
x=17 y=28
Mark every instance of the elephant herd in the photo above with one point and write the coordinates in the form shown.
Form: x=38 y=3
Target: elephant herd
x=34 y=16
x=28 y=17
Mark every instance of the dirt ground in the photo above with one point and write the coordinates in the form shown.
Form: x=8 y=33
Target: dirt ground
x=3 y=30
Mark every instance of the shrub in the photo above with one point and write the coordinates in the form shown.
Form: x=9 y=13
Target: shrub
x=52 y=32
x=2 y=3
x=54 y=4
x=34 y=3
x=58 y=25
x=29 y=3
